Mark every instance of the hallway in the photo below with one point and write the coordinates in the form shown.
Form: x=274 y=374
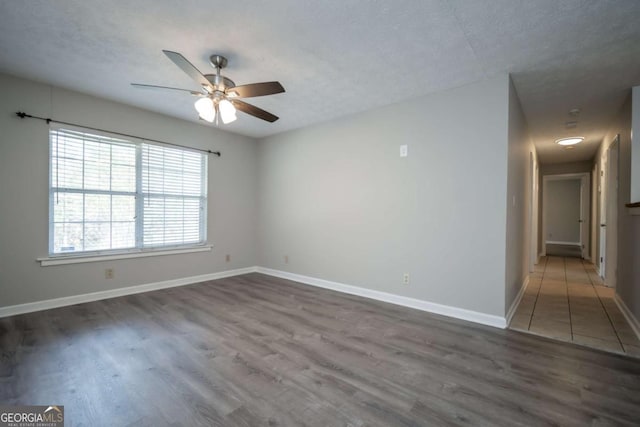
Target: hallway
x=566 y=300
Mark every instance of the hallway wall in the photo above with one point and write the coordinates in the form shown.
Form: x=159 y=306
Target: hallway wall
x=628 y=285
x=518 y=203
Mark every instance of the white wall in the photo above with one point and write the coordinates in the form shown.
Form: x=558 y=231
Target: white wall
x=337 y=199
x=24 y=194
x=519 y=200
x=562 y=210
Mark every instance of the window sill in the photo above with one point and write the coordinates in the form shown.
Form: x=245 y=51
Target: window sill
x=76 y=259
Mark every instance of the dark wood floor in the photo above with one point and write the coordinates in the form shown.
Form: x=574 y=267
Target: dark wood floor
x=259 y=351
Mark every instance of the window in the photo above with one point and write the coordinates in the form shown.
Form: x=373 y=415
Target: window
x=111 y=195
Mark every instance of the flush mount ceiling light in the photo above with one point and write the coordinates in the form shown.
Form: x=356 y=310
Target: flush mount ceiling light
x=570 y=141
x=219 y=97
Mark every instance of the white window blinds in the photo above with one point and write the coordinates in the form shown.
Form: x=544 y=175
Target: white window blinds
x=110 y=194
x=172 y=189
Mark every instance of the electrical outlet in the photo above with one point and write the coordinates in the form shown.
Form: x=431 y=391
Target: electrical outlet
x=227 y=258
x=405 y=278
x=108 y=273
x=286 y=259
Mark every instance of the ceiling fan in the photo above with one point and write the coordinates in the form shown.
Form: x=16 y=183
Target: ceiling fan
x=219 y=97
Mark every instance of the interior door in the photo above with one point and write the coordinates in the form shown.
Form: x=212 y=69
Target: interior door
x=584 y=215
x=595 y=226
x=611 y=223
x=533 y=214
x=602 y=251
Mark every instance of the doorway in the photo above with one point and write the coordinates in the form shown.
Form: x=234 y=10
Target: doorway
x=533 y=213
x=566 y=215
x=609 y=215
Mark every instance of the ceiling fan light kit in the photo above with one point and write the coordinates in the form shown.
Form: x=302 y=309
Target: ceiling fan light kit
x=205 y=108
x=227 y=111
x=220 y=97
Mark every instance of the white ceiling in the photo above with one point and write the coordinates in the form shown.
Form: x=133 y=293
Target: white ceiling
x=339 y=57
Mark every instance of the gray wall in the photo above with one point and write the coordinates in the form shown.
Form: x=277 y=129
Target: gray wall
x=24 y=194
x=562 y=210
x=628 y=283
x=518 y=203
x=337 y=199
x=566 y=168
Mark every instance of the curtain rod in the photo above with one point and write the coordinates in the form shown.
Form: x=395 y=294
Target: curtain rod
x=23 y=115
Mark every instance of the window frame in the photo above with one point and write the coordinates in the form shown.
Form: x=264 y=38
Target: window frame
x=139 y=250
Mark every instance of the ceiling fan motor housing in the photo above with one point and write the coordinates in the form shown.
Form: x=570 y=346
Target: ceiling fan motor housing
x=220 y=82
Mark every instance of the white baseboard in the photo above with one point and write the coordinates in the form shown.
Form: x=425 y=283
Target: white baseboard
x=635 y=324
x=558 y=242
x=445 y=310
x=12 y=310
x=516 y=301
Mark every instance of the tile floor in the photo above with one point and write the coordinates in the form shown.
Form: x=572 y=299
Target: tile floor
x=566 y=300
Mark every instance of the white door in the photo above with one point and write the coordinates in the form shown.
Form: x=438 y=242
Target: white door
x=595 y=226
x=611 y=223
x=602 y=186
x=533 y=214
x=584 y=215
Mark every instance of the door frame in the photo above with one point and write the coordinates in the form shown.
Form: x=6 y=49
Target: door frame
x=585 y=206
x=585 y=216
x=533 y=213
x=595 y=205
x=609 y=213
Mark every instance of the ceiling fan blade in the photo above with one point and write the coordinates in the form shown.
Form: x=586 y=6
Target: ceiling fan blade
x=254 y=111
x=189 y=68
x=254 y=89
x=143 y=86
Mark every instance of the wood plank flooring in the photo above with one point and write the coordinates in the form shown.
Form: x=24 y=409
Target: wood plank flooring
x=254 y=350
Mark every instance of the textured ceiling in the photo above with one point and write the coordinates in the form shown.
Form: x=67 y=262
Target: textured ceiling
x=340 y=57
